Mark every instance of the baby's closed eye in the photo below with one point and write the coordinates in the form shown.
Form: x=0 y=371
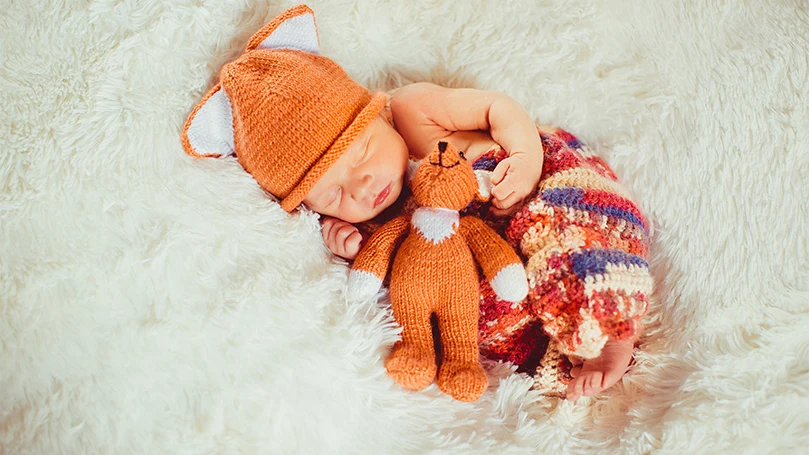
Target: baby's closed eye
x=334 y=196
x=362 y=157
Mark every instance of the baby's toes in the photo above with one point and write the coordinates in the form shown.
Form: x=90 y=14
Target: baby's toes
x=575 y=389
x=612 y=376
x=593 y=383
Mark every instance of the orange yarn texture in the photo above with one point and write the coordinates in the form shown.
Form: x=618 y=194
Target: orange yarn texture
x=434 y=273
x=294 y=113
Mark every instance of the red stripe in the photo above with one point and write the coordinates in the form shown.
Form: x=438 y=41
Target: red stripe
x=560 y=161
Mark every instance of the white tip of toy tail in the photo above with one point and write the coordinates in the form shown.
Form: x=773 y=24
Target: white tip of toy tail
x=511 y=283
x=362 y=285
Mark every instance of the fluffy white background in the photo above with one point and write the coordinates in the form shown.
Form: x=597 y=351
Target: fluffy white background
x=151 y=303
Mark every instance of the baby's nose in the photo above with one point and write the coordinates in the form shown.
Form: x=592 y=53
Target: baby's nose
x=362 y=187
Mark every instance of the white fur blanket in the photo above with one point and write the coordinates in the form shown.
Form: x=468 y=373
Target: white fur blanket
x=151 y=303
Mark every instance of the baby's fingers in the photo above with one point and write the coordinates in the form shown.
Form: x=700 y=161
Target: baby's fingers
x=326 y=228
x=340 y=234
x=500 y=171
x=507 y=193
x=352 y=246
x=503 y=188
x=510 y=201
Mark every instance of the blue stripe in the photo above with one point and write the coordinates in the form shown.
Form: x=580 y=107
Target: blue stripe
x=594 y=261
x=485 y=163
x=572 y=197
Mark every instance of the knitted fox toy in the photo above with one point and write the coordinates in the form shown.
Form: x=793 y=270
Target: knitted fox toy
x=434 y=272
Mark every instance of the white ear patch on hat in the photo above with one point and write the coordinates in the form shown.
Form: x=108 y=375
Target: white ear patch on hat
x=208 y=131
x=296 y=33
x=294 y=29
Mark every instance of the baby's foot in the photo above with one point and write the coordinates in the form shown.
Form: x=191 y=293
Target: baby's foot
x=601 y=372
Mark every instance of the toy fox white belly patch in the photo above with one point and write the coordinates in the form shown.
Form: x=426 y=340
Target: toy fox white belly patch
x=435 y=225
x=434 y=272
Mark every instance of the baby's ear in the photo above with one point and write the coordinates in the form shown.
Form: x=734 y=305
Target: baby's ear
x=295 y=28
x=412 y=167
x=208 y=131
x=484 y=192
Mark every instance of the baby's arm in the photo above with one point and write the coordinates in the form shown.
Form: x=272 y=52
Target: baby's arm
x=425 y=113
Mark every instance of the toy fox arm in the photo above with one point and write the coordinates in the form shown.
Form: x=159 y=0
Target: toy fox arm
x=372 y=263
x=500 y=264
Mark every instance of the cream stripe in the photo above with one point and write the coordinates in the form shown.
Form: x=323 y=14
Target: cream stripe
x=592 y=337
x=620 y=277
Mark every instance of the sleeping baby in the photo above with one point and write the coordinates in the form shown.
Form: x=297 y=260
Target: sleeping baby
x=312 y=136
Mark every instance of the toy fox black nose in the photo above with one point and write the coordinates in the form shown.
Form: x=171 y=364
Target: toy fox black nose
x=442 y=148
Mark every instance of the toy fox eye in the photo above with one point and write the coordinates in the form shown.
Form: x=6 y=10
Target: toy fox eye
x=463 y=157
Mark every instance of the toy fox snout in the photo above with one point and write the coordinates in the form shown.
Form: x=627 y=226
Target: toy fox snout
x=445 y=159
x=444 y=179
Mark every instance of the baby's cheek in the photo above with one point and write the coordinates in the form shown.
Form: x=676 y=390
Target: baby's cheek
x=356 y=214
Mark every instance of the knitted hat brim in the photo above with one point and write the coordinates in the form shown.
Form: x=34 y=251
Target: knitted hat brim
x=340 y=145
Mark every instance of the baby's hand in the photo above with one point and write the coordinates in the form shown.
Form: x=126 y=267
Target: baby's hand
x=514 y=179
x=342 y=239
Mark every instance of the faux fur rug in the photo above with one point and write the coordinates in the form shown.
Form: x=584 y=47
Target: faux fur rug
x=151 y=303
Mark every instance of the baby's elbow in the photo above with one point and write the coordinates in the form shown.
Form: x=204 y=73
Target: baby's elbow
x=409 y=97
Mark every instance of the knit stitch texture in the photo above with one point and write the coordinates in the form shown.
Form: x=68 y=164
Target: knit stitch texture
x=434 y=274
x=286 y=112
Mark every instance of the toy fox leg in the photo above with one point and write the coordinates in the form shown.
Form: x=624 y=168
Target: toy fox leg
x=461 y=374
x=412 y=361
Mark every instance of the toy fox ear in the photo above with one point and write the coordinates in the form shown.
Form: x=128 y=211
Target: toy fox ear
x=412 y=167
x=484 y=178
x=295 y=28
x=208 y=131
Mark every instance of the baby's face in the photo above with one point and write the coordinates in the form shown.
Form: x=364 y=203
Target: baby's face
x=367 y=179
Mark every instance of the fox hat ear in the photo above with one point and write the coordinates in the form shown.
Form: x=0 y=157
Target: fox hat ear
x=294 y=29
x=208 y=131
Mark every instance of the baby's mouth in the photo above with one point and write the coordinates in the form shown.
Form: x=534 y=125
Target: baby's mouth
x=380 y=198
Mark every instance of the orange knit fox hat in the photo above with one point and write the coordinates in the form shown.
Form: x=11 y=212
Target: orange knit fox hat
x=286 y=112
